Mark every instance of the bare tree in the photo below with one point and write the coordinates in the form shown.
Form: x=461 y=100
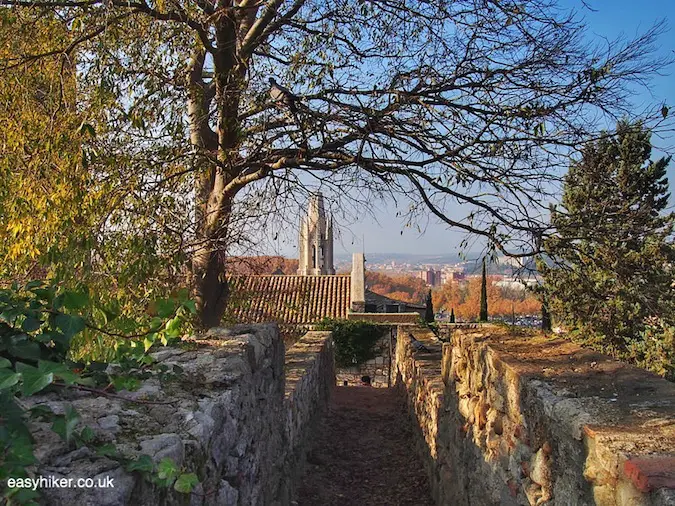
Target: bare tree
x=478 y=102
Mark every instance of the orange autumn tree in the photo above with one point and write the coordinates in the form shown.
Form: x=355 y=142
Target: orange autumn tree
x=465 y=299
x=404 y=287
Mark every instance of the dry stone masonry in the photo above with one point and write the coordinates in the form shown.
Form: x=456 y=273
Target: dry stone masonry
x=378 y=368
x=508 y=420
x=238 y=417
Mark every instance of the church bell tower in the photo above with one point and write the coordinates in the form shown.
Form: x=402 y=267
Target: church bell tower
x=316 y=240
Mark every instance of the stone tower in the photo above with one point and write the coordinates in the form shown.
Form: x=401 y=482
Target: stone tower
x=316 y=240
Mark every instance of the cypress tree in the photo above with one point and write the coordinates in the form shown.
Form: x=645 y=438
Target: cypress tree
x=483 y=317
x=452 y=315
x=429 y=312
x=545 y=318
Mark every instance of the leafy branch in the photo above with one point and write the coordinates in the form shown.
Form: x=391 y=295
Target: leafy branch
x=38 y=323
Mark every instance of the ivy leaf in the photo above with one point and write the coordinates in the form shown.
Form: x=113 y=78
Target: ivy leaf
x=31 y=324
x=34 y=284
x=147 y=343
x=186 y=482
x=43 y=294
x=167 y=469
x=191 y=306
x=24 y=349
x=42 y=411
x=34 y=379
x=4 y=363
x=173 y=327
x=24 y=495
x=75 y=300
x=87 y=434
x=60 y=371
x=128 y=383
x=65 y=424
x=69 y=324
x=107 y=450
x=165 y=308
x=21 y=449
x=142 y=464
x=89 y=382
x=12 y=415
x=8 y=378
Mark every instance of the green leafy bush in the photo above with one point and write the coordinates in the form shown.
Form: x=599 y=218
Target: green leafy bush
x=354 y=340
x=38 y=324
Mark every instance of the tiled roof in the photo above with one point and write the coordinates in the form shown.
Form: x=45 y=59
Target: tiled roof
x=381 y=301
x=288 y=299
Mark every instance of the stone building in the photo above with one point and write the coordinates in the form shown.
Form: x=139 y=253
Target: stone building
x=316 y=292
x=316 y=240
x=304 y=300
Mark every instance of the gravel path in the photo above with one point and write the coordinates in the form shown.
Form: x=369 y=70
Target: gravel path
x=363 y=454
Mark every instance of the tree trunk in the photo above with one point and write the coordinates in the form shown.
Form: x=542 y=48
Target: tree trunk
x=211 y=288
x=215 y=198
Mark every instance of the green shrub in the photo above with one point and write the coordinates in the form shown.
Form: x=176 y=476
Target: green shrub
x=354 y=340
x=39 y=322
x=655 y=350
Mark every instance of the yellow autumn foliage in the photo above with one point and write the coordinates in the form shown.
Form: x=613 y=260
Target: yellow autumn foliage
x=45 y=192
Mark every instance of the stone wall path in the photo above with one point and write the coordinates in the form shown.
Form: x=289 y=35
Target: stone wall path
x=363 y=454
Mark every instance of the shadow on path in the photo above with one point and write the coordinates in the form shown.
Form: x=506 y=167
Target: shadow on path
x=363 y=454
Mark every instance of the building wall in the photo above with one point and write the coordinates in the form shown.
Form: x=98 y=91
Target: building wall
x=392 y=318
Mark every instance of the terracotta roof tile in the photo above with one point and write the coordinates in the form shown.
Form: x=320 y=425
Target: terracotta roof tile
x=288 y=299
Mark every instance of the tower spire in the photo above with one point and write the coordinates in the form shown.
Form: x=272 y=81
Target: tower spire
x=316 y=240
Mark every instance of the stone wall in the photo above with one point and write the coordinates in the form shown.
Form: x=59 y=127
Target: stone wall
x=378 y=368
x=393 y=318
x=310 y=378
x=523 y=420
x=229 y=418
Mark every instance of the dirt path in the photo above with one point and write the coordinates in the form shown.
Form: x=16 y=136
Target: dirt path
x=363 y=454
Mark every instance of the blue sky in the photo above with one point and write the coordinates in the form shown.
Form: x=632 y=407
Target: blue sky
x=382 y=234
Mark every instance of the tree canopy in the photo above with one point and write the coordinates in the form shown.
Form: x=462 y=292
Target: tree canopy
x=474 y=102
x=613 y=255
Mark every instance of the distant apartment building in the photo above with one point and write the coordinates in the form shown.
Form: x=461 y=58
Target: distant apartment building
x=431 y=277
x=515 y=284
x=451 y=275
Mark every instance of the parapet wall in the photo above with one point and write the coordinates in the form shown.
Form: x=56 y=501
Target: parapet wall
x=508 y=420
x=230 y=418
x=310 y=378
x=385 y=318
